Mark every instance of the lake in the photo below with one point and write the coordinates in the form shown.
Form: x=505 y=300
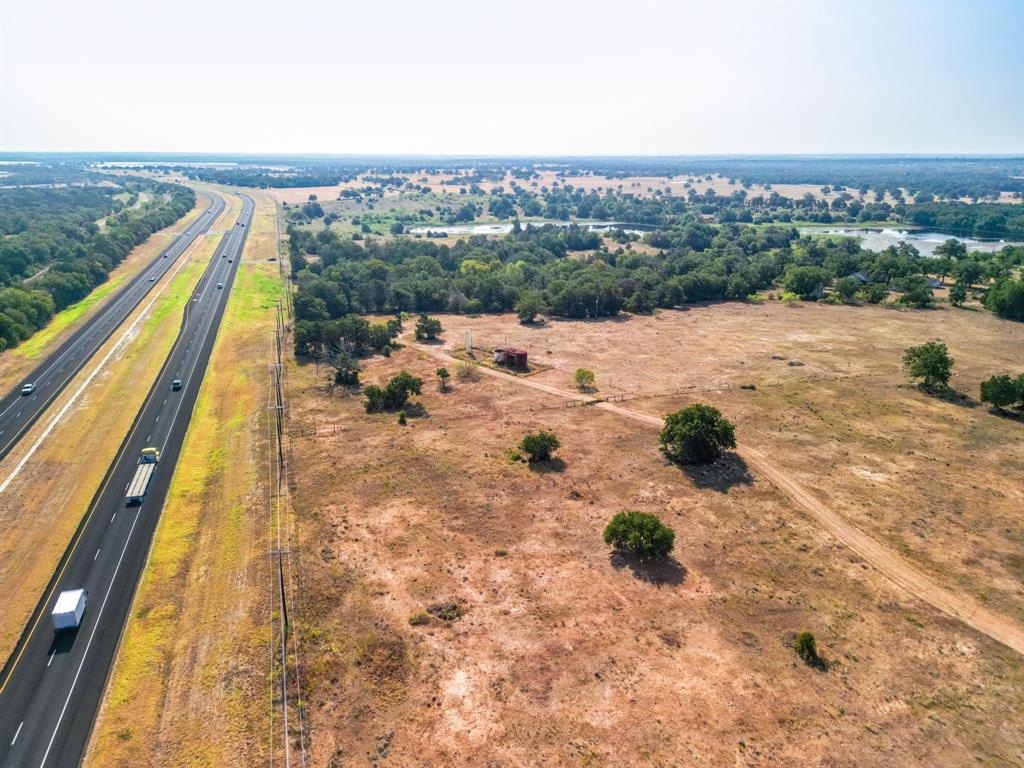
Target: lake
x=924 y=241
x=504 y=228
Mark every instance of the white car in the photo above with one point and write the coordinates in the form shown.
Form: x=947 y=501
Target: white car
x=28 y=389
x=220 y=285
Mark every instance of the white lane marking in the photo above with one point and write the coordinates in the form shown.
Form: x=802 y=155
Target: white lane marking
x=89 y=379
x=96 y=555
x=92 y=635
x=52 y=654
x=115 y=514
x=17 y=733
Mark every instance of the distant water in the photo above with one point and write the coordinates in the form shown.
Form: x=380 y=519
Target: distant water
x=925 y=242
x=505 y=228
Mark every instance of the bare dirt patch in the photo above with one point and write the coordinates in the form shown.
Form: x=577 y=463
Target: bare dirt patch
x=563 y=654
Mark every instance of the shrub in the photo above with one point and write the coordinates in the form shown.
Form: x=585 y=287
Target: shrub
x=846 y=287
x=930 y=362
x=584 y=378
x=640 y=534
x=806 y=648
x=539 y=445
x=419 y=618
x=442 y=378
x=467 y=371
x=401 y=418
x=755 y=298
x=789 y=298
x=697 y=434
x=427 y=328
x=874 y=293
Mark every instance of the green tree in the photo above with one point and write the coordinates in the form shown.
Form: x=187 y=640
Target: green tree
x=394 y=395
x=697 y=434
x=584 y=378
x=539 y=445
x=1003 y=392
x=846 y=287
x=529 y=305
x=639 y=533
x=428 y=328
x=806 y=282
x=874 y=293
x=442 y=378
x=958 y=294
x=1006 y=299
x=931 y=363
x=952 y=249
x=916 y=292
x=346 y=369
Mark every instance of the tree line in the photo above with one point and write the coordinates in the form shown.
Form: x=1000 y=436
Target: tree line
x=54 y=252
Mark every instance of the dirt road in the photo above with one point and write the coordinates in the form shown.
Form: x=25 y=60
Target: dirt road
x=880 y=557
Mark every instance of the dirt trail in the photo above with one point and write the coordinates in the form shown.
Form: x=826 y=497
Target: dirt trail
x=1000 y=628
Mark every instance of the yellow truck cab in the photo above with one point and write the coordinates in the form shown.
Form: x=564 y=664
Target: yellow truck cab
x=149 y=456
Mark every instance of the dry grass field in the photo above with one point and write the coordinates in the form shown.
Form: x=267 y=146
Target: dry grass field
x=550 y=651
x=642 y=186
x=191 y=682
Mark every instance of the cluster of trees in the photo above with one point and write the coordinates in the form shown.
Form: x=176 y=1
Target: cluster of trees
x=528 y=271
x=394 y=395
x=985 y=220
x=53 y=252
x=317 y=334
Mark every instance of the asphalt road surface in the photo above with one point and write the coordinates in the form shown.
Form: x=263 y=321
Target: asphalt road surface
x=18 y=412
x=51 y=688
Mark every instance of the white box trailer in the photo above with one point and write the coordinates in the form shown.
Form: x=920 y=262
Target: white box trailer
x=70 y=607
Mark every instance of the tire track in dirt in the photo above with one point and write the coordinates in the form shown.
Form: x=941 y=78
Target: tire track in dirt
x=960 y=607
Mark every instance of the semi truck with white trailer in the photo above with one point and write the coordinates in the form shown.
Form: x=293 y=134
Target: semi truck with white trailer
x=139 y=485
x=69 y=609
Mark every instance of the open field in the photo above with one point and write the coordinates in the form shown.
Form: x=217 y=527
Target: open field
x=642 y=186
x=190 y=685
x=44 y=500
x=567 y=656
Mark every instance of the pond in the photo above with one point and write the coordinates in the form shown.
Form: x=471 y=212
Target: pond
x=925 y=241
x=505 y=227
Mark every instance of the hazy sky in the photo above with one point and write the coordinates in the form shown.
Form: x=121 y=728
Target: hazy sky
x=543 y=78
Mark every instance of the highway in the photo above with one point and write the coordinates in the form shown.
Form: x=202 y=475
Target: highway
x=51 y=688
x=18 y=412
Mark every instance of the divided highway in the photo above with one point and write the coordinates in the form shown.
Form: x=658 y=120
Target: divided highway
x=52 y=686
x=20 y=411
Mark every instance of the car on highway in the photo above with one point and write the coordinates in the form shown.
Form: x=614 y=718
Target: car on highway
x=176 y=385
x=230 y=261
x=152 y=278
x=28 y=389
x=220 y=285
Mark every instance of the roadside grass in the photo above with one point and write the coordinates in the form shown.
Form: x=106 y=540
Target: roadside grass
x=189 y=686
x=64 y=473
